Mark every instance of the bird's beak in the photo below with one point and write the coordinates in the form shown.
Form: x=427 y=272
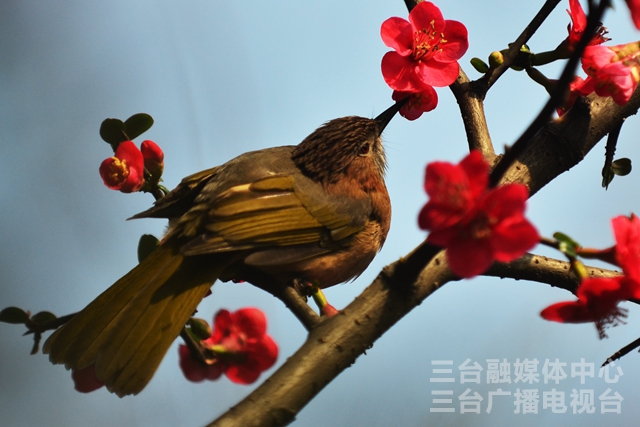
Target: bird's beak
x=385 y=117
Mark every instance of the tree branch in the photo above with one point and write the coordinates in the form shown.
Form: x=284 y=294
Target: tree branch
x=471 y=107
x=542 y=269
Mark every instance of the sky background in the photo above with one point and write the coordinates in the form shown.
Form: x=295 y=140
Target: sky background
x=222 y=78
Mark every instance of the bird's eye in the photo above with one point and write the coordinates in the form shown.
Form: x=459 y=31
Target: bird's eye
x=364 y=149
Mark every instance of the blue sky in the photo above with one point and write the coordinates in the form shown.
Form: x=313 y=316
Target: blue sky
x=222 y=78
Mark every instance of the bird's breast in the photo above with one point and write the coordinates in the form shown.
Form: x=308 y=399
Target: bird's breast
x=339 y=265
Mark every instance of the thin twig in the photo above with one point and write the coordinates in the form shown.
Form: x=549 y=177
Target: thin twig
x=484 y=83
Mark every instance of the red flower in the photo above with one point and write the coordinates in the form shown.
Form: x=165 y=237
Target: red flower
x=418 y=103
x=196 y=371
x=427 y=48
x=612 y=70
x=578 y=24
x=598 y=298
x=476 y=225
x=85 y=379
x=241 y=345
x=153 y=159
x=125 y=170
x=634 y=7
x=597 y=302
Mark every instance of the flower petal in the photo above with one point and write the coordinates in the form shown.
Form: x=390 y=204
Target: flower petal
x=251 y=321
x=512 y=238
x=428 y=16
x=469 y=257
x=399 y=73
x=438 y=74
x=477 y=171
x=397 y=34
x=568 y=312
x=457 y=43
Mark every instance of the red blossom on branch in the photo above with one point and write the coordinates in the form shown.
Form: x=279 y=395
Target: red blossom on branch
x=612 y=70
x=241 y=345
x=427 y=48
x=125 y=170
x=598 y=300
x=477 y=225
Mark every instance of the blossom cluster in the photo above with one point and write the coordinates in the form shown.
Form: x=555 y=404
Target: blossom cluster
x=426 y=52
x=125 y=170
x=476 y=224
x=241 y=346
x=598 y=298
x=612 y=71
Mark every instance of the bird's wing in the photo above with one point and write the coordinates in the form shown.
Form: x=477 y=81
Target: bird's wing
x=179 y=200
x=272 y=213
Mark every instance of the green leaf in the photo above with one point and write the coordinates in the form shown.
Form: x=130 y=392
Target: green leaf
x=112 y=131
x=14 y=315
x=479 y=65
x=43 y=317
x=137 y=124
x=564 y=238
x=621 y=167
x=567 y=245
x=147 y=244
x=199 y=328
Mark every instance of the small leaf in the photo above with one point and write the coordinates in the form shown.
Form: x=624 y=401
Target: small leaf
x=479 y=65
x=43 y=317
x=199 y=328
x=137 y=124
x=147 y=244
x=621 y=167
x=112 y=131
x=567 y=245
x=564 y=238
x=14 y=315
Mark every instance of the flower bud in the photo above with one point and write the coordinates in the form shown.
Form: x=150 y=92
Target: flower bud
x=153 y=160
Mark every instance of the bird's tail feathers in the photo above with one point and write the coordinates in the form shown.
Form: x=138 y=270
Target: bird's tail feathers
x=127 y=330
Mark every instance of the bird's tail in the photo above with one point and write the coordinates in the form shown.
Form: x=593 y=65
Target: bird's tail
x=127 y=330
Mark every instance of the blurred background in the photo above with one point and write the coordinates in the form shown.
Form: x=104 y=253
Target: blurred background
x=222 y=78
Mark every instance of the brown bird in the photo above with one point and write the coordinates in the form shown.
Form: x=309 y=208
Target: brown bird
x=316 y=212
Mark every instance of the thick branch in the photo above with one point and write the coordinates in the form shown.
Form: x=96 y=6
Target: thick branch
x=563 y=143
x=473 y=117
x=543 y=269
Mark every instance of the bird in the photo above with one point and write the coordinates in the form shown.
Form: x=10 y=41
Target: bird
x=317 y=212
